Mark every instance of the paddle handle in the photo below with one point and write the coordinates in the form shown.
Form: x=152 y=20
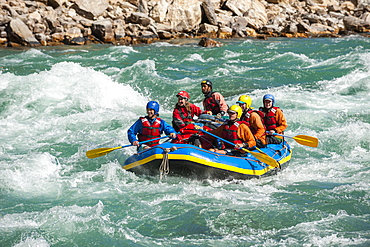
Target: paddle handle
x=276 y=134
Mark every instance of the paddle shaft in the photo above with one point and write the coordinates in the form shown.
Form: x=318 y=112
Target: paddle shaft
x=95 y=153
x=143 y=142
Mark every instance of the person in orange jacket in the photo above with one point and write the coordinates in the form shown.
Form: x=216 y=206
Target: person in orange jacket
x=235 y=131
x=274 y=119
x=253 y=118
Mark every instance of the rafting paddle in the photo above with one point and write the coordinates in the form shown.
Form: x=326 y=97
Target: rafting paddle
x=305 y=140
x=95 y=153
x=260 y=156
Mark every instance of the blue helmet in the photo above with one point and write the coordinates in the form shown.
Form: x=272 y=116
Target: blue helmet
x=153 y=105
x=270 y=97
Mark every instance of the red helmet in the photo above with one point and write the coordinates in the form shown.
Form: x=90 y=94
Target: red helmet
x=183 y=94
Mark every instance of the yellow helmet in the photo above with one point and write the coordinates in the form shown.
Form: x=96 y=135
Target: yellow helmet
x=237 y=109
x=245 y=99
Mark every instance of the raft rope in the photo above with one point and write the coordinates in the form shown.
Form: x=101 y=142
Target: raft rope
x=164 y=168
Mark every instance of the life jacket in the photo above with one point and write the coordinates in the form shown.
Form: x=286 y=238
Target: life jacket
x=186 y=119
x=269 y=119
x=229 y=132
x=246 y=116
x=211 y=104
x=150 y=131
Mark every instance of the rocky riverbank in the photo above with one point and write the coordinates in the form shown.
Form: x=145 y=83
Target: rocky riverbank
x=125 y=22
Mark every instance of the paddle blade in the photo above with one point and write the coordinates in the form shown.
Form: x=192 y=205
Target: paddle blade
x=95 y=153
x=309 y=141
x=264 y=158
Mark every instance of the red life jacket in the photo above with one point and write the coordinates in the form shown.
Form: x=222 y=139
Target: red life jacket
x=211 y=104
x=184 y=114
x=269 y=119
x=150 y=131
x=185 y=117
x=247 y=117
x=229 y=132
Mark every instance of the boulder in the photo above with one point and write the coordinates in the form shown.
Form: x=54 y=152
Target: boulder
x=103 y=30
x=347 y=6
x=141 y=19
x=184 y=15
x=143 y=6
x=207 y=42
x=56 y=3
x=73 y=32
x=352 y=23
x=253 y=10
x=239 y=24
x=158 y=10
x=256 y=18
x=164 y=35
x=18 y=32
x=208 y=28
x=90 y=9
x=209 y=12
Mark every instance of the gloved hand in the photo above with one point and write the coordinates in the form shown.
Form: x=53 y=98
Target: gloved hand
x=198 y=125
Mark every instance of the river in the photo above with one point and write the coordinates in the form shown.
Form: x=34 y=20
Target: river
x=58 y=102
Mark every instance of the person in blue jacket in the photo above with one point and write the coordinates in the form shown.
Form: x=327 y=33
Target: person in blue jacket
x=149 y=127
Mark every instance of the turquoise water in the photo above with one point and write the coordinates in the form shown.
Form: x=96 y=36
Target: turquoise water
x=58 y=102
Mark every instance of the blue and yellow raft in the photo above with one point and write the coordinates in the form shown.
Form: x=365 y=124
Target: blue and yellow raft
x=194 y=162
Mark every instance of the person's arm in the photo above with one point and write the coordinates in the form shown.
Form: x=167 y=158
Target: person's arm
x=245 y=134
x=133 y=131
x=281 y=121
x=204 y=105
x=196 y=110
x=176 y=117
x=220 y=98
x=256 y=122
x=167 y=129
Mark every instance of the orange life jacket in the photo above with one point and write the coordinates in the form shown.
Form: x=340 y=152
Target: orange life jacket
x=150 y=131
x=247 y=117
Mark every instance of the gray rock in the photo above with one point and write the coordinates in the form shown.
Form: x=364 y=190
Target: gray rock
x=209 y=12
x=141 y=19
x=103 y=30
x=352 y=23
x=90 y=9
x=19 y=33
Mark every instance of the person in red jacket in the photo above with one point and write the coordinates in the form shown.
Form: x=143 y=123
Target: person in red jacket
x=213 y=102
x=184 y=111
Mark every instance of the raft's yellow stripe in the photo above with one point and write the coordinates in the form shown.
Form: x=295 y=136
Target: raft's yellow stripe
x=203 y=162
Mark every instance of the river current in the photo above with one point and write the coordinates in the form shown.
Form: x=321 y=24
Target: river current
x=58 y=102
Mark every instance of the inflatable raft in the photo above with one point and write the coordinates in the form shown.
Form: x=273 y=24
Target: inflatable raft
x=194 y=162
